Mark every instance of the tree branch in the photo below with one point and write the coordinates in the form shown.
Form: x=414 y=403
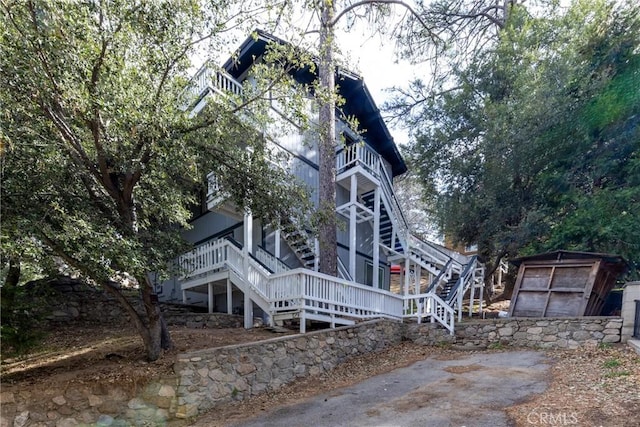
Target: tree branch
x=415 y=14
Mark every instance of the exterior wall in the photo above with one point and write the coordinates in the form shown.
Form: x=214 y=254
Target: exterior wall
x=210 y=224
x=630 y=295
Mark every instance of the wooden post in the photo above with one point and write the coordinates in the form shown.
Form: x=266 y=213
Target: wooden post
x=376 y=237
x=246 y=250
x=229 y=297
x=406 y=274
x=210 y=297
x=277 y=244
x=352 y=226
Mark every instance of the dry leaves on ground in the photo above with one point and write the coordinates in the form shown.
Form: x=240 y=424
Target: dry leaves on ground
x=588 y=387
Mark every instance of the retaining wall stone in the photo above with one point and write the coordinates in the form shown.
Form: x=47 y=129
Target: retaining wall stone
x=213 y=376
x=559 y=333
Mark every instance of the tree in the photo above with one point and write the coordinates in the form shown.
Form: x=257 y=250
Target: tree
x=535 y=146
x=330 y=15
x=100 y=166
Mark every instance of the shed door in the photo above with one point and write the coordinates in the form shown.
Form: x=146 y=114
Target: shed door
x=553 y=289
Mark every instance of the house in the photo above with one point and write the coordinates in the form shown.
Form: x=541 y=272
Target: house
x=240 y=265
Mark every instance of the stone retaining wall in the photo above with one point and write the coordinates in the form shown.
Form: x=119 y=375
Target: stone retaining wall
x=204 y=320
x=209 y=377
x=560 y=333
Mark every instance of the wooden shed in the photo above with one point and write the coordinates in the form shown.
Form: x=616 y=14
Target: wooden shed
x=564 y=283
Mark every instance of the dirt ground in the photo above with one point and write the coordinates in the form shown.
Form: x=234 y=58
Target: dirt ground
x=598 y=386
x=112 y=354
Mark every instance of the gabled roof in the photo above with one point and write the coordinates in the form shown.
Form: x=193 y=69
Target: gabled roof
x=358 y=100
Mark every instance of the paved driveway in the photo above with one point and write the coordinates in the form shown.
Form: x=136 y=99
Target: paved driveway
x=471 y=390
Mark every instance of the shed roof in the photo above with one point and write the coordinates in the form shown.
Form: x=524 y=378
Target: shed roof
x=561 y=255
x=358 y=99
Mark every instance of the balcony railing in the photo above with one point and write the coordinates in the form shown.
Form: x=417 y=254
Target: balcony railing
x=209 y=79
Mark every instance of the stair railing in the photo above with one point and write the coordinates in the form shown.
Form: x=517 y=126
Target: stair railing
x=393 y=207
x=464 y=281
x=443 y=275
x=274 y=264
x=430 y=306
x=343 y=272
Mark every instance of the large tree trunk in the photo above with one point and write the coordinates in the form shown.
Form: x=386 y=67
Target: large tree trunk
x=151 y=327
x=326 y=149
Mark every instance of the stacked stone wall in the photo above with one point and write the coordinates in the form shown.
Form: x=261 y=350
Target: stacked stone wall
x=552 y=333
x=210 y=377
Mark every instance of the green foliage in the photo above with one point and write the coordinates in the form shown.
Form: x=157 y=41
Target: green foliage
x=496 y=346
x=537 y=145
x=615 y=374
x=99 y=164
x=20 y=313
x=98 y=161
x=611 y=363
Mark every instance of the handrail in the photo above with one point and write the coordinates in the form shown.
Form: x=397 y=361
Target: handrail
x=432 y=306
x=207 y=78
x=464 y=277
x=274 y=264
x=343 y=272
x=434 y=284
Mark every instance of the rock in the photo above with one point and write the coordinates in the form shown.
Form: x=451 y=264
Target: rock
x=7 y=397
x=611 y=338
x=94 y=400
x=581 y=335
x=187 y=411
x=67 y=422
x=104 y=421
x=21 y=419
x=59 y=400
x=506 y=331
x=136 y=403
x=166 y=391
x=245 y=368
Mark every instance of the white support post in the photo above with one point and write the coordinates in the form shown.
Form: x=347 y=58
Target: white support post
x=406 y=275
x=376 y=237
x=416 y=283
x=459 y=298
x=184 y=297
x=229 y=297
x=481 y=296
x=352 y=227
x=277 y=244
x=472 y=296
x=246 y=250
x=210 y=297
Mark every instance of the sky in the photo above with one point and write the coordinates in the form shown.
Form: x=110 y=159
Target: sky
x=374 y=60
